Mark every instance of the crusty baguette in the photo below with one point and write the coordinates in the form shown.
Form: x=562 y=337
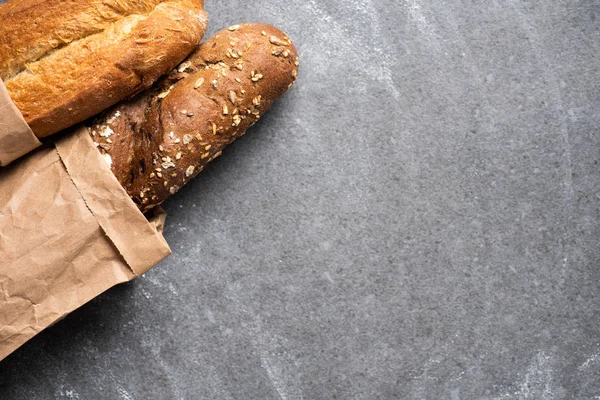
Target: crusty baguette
x=158 y=141
x=65 y=61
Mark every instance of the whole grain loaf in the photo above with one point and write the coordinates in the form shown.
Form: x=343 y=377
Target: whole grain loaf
x=161 y=139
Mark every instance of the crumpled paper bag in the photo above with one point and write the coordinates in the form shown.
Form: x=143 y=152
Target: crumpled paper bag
x=68 y=232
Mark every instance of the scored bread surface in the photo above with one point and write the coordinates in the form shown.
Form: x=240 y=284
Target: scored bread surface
x=162 y=138
x=64 y=61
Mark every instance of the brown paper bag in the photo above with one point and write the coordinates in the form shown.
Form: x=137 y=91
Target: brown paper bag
x=16 y=138
x=68 y=232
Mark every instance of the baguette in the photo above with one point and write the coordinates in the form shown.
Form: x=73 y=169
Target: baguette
x=65 y=61
x=161 y=139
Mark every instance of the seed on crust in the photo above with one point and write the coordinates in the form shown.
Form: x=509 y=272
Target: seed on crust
x=232 y=97
x=255 y=77
x=199 y=83
x=184 y=66
x=277 y=42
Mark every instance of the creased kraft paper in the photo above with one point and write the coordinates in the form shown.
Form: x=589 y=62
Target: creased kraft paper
x=16 y=137
x=68 y=232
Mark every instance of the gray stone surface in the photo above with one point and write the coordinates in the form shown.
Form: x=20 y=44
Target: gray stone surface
x=417 y=219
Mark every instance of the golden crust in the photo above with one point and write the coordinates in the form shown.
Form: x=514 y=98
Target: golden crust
x=165 y=136
x=105 y=51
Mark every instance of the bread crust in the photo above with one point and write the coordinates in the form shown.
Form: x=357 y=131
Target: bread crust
x=161 y=139
x=65 y=61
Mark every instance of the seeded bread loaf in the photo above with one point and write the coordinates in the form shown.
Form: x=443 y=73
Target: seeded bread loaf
x=65 y=61
x=161 y=139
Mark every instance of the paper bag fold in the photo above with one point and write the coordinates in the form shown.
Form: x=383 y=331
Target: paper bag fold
x=16 y=137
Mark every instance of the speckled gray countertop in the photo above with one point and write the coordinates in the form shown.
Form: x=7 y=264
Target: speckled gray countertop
x=417 y=219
